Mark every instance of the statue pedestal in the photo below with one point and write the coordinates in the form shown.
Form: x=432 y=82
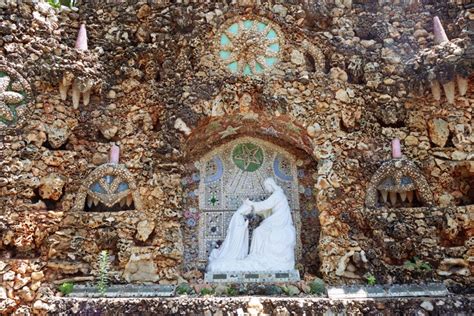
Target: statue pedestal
x=252 y=276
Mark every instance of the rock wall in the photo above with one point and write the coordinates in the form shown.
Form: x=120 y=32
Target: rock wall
x=344 y=80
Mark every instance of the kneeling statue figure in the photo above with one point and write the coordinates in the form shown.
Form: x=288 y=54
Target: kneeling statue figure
x=273 y=242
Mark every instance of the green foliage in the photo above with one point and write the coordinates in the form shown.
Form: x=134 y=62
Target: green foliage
x=184 y=288
x=317 y=287
x=58 y=3
x=66 y=288
x=371 y=280
x=104 y=266
x=416 y=264
x=273 y=290
x=207 y=291
x=290 y=290
x=232 y=291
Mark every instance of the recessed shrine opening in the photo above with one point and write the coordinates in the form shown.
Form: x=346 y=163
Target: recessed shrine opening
x=108 y=188
x=398 y=195
x=221 y=179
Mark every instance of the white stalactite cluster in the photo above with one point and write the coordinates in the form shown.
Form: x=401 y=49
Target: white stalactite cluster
x=449 y=88
x=405 y=196
x=126 y=200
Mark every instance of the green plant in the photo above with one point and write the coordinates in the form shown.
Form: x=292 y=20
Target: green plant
x=416 y=264
x=371 y=280
x=66 y=288
x=184 y=288
x=104 y=266
x=232 y=291
x=317 y=286
x=207 y=291
x=58 y=3
x=290 y=290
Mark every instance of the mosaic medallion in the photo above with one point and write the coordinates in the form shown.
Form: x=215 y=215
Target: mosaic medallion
x=15 y=97
x=249 y=46
x=248 y=157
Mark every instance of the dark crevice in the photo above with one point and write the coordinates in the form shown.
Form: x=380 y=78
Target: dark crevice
x=449 y=142
x=398 y=124
x=12 y=252
x=47 y=145
x=51 y=205
x=310 y=63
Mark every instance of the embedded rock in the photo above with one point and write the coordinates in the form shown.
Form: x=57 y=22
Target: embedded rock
x=51 y=187
x=342 y=95
x=439 y=131
x=58 y=134
x=141 y=266
x=144 y=229
x=450 y=266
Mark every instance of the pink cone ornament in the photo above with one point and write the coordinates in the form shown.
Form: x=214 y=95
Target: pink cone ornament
x=438 y=30
x=81 y=41
x=114 y=154
x=396 y=150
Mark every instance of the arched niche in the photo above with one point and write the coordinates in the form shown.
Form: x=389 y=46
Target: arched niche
x=221 y=178
x=109 y=187
x=398 y=183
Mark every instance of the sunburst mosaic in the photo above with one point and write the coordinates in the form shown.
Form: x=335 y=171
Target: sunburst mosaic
x=249 y=46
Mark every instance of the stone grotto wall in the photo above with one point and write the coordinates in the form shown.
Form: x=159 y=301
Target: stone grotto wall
x=331 y=83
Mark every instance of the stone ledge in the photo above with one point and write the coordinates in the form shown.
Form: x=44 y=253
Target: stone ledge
x=184 y=305
x=392 y=291
x=124 y=291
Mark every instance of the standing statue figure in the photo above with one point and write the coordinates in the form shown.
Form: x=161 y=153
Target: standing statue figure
x=273 y=241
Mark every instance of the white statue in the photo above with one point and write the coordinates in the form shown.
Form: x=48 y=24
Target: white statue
x=273 y=241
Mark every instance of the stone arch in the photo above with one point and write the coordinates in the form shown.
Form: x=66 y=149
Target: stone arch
x=214 y=131
x=284 y=142
x=398 y=177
